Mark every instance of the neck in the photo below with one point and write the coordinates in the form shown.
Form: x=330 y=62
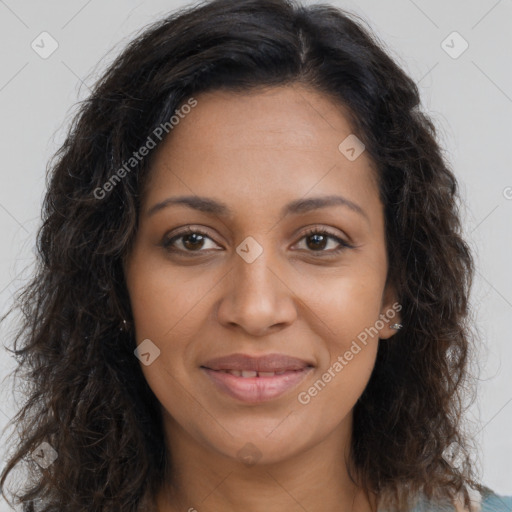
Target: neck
x=314 y=480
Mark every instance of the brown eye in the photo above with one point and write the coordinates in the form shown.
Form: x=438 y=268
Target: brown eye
x=190 y=241
x=193 y=241
x=317 y=240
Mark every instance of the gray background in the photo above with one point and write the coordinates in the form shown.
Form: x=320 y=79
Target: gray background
x=469 y=98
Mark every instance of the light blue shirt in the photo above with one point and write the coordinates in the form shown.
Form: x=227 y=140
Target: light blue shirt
x=496 y=503
x=491 y=502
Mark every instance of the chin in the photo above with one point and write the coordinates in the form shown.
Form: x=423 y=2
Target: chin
x=256 y=450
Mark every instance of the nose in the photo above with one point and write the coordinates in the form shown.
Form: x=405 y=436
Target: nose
x=256 y=298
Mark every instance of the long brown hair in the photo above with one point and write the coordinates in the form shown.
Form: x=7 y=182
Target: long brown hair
x=86 y=394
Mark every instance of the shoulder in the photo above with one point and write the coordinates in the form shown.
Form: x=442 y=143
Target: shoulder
x=493 y=502
x=488 y=502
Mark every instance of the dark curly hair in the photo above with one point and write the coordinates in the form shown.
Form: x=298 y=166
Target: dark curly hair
x=86 y=394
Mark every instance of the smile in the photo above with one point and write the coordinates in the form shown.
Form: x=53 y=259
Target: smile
x=253 y=386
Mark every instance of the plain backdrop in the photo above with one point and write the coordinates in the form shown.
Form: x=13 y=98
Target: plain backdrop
x=466 y=91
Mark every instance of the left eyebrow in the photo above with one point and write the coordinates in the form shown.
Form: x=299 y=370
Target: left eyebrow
x=214 y=207
x=315 y=203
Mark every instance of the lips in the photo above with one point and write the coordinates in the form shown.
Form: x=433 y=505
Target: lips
x=256 y=379
x=267 y=363
x=249 y=373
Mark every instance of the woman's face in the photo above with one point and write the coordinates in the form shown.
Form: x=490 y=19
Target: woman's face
x=254 y=282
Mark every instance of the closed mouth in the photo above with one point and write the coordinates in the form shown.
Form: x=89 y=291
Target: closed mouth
x=250 y=373
x=255 y=387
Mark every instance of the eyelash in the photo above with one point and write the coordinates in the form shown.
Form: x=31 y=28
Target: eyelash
x=167 y=243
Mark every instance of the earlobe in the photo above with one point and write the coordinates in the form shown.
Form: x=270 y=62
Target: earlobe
x=389 y=313
x=390 y=330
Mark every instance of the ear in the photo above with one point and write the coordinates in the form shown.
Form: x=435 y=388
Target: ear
x=390 y=312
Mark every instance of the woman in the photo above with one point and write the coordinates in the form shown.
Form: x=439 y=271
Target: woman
x=252 y=291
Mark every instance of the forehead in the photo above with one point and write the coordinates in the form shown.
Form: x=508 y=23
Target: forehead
x=274 y=144
x=285 y=117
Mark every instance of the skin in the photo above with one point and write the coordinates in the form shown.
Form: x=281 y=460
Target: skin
x=256 y=152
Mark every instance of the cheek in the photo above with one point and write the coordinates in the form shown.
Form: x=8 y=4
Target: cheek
x=163 y=299
x=331 y=397
x=343 y=312
x=345 y=367
x=344 y=305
